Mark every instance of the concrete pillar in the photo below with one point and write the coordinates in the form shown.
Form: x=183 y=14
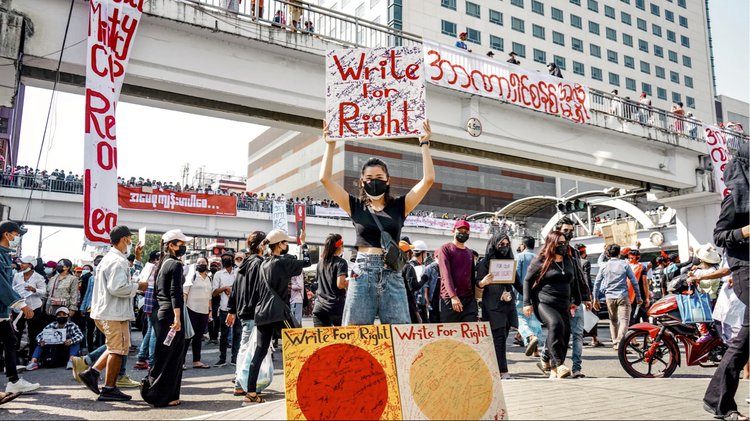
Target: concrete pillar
x=695 y=219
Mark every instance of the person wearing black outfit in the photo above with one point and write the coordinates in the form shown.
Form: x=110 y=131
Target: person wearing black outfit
x=272 y=311
x=332 y=283
x=161 y=387
x=244 y=297
x=552 y=292
x=731 y=232
x=411 y=281
x=498 y=300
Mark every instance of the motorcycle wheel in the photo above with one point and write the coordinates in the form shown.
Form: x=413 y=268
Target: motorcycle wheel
x=632 y=354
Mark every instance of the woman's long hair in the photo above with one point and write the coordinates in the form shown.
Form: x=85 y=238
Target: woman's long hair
x=374 y=162
x=255 y=240
x=329 y=248
x=164 y=248
x=547 y=255
x=492 y=251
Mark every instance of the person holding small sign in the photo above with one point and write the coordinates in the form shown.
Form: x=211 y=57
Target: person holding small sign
x=378 y=290
x=498 y=299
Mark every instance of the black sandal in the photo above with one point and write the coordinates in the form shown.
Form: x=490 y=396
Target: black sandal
x=250 y=400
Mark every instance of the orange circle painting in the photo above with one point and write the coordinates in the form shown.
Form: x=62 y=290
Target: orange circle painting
x=340 y=382
x=465 y=393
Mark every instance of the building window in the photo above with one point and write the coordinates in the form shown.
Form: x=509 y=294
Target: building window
x=642 y=25
x=448 y=4
x=674 y=77
x=560 y=62
x=557 y=15
x=517 y=24
x=683 y=22
x=537 y=31
x=577 y=44
x=658 y=51
x=661 y=93
x=614 y=79
x=629 y=62
x=596 y=73
x=609 y=12
x=641 y=4
x=558 y=38
x=593 y=6
x=643 y=45
x=576 y=22
x=594 y=27
x=496 y=43
x=474 y=36
x=374 y=3
x=595 y=50
x=518 y=3
x=576 y=2
x=625 y=18
x=676 y=97
x=448 y=28
x=646 y=87
x=645 y=67
x=540 y=56
x=611 y=34
x=685 y=41
x=473 y=9
x=655 y=10
x=656 y=29
x=672 y=56
x=690 y=102
x=688 y=81
x=360 y=10
x=496 y=17
x=627 y=40
x=537 y=7
x=669 y=15
x=671 y=36
x=659 y=72
x=519 y=49
x=682 y=4
x=625 y=1
x=578 y=68
x=687 y=62
x=630 y=84
x=612 y=56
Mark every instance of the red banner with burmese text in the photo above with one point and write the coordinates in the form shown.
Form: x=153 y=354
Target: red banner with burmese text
x=136 y=198
x=111 y=30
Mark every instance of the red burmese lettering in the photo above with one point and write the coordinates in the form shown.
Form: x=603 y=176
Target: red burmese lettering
x=436 y=63
x=344 y=120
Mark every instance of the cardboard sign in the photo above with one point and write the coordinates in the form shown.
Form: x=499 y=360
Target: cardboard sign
x=53 y=336
x=503 y=271
x=340 y=373
x=168 y=201
x=448 y=371
x=375 y=93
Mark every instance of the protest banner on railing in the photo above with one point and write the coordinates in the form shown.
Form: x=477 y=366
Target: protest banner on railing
x=136 y=198
x=375 y=93
x=480 y=75
x=411 y=220
x=721 y=146
x=111 y=29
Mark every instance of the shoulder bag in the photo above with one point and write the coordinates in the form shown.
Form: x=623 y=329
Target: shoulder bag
x=394 y=257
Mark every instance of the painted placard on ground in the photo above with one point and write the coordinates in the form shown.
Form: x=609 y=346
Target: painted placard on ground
x=448 y=371
x=375 y=93
x=337 y=373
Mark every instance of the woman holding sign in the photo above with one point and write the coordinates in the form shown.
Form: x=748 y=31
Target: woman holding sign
x=378 y=290
x=498 y=299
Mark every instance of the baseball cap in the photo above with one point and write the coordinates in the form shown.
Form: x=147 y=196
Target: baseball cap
x=461 y=223
x=580 y=246
x=118 y=233
x=173 y=235
x=28 y=260
x=277 y=236
x=11 y=226
x=63 y=309
x=420 y=245
x=404 y=246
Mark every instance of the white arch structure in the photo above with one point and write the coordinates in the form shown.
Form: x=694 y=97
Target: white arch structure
x=618 y=204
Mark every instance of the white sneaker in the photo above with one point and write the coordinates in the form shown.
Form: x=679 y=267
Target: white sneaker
x=21 y=386
x=70 y=365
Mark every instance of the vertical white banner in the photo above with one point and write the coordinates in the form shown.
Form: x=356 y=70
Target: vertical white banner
x=279 y=216
x=720 y=150
x=112 y=28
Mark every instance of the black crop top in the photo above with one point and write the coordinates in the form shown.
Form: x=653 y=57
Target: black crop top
x=391 y=218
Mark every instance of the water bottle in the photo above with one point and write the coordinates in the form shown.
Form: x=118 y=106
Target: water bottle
x=170 y=337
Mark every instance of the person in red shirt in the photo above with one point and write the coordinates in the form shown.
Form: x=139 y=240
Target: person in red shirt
x=457 y=302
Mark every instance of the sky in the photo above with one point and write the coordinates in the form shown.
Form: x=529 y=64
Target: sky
x=157 y=143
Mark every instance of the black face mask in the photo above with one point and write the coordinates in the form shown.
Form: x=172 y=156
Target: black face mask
x=201 y=268
x=462 y=237
x=503 y=250
x=375 y=187
x=181 y=251
x=214 y=270
x=696 y=261
x=227 y=263
x=561 y=250
x=285 y=251
x=59 y=269
x=568 y=235
x=62 y=320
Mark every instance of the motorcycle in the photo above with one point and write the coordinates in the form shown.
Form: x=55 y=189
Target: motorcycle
x=649 y=351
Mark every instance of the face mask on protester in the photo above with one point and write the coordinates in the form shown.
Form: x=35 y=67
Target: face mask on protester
x=568 y=235
x=85 y=271
x=503 y=250
x=129 y=248
x=375 y=189
x=181 y=251
x=227 y=263
x=696 y=261
x=49 y=271
x=59 y=269
x=201 y=268
x=15 y=242
x=561 y=250
x=62 y=320
x=285 y=251
x=27 y=270
x=462 y=237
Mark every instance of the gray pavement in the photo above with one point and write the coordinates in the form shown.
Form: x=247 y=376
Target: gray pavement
x=606 y=393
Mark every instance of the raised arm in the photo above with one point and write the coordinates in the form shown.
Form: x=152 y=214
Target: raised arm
x=418 y=192
x=334 y=189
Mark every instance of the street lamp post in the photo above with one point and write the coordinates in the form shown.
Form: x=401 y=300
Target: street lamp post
x=39 y=246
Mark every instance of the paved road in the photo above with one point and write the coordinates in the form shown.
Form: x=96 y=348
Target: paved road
x=607 y=393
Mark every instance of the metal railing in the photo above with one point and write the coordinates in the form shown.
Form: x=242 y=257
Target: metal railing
x=309 y=19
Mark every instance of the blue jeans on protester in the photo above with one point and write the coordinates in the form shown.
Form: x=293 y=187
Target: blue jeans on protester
x=576 y=330
x=377 y=291
x=94 y=356
x=528 y=326
x=148 y=345
x=74 y=349
x=247 y=330
x=297 y=313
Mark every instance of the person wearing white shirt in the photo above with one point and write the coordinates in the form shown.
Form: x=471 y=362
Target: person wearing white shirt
x=31 y=287
x=198 y=292
x=222 y=284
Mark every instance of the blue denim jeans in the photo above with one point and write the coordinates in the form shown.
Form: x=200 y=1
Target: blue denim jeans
x=247 y=329
x=576 y=330
x=377 y=291
x=74 y=349
x=94 y=356
x=148 y=345
x=297 y=313
x=528 y=326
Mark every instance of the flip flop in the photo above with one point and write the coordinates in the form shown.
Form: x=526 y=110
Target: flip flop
x=7 y=397
x=175 y=403
x=203 y=366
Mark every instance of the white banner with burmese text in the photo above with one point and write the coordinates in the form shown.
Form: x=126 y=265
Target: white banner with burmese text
x=722 y=146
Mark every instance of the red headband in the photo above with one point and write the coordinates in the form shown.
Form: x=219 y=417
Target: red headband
x=340 y=243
